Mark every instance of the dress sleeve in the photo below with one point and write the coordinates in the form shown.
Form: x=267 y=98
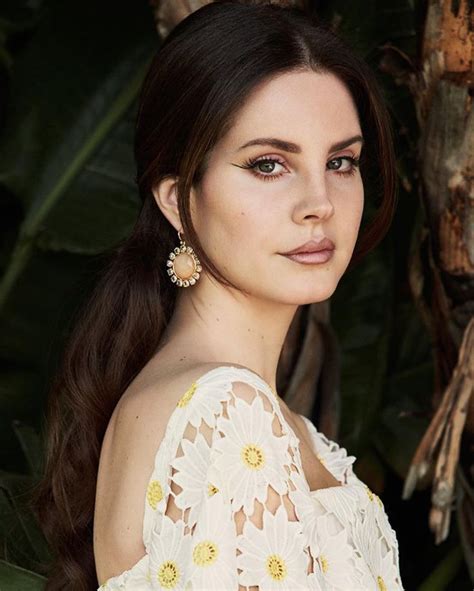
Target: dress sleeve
x=226 y=517
x=252 y=461
x=229 y=521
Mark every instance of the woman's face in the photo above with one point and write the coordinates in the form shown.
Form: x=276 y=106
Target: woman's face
x=246 y=218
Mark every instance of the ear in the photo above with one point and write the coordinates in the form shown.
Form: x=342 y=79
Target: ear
x=166 y=198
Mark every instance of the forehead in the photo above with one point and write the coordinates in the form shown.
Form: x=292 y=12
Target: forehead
x=299 y=106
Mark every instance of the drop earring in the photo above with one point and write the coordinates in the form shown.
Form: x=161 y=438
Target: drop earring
x=183 y=265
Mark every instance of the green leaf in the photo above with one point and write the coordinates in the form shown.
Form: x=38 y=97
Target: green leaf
x=31 y=445
x=22 y=540
x=15 y=578
x=67 y=150
x=20 y=396
x=407 y=391
x=361 y=316
x=444 y=572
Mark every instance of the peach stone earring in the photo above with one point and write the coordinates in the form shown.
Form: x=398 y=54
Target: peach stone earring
x=183 y=265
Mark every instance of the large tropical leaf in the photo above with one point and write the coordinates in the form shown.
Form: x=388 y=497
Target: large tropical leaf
x=22 y=540
x=14 y=578
x=66 y=167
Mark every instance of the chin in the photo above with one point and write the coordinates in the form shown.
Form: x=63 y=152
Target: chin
x=321 y=287
x=308 y=292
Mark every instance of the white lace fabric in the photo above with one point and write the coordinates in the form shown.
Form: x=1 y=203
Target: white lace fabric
x=228 y=506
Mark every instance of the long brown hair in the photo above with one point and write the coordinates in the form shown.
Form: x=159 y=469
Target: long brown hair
x=200 y=76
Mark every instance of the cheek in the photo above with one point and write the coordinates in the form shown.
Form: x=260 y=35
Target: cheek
x=228 y=221
x=351 y=206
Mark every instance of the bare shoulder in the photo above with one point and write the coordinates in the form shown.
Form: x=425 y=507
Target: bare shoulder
x=129 y=447
x=153 y=395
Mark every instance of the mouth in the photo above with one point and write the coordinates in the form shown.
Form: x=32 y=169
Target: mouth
x=310 y=258
x=313 y=251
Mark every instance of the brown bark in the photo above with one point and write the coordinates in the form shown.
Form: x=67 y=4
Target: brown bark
x=442 y=270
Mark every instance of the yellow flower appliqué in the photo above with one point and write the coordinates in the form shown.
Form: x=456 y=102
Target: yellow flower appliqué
x=381 y=584
x=324 y=563
x=373 y=496
x=168 y=574
x=154 y=493
x=276 y=567
x=211 y=489
x=253 y=456
x=205 y=553
x=186 y=397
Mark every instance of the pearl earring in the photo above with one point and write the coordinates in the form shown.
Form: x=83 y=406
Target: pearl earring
x=183 y=265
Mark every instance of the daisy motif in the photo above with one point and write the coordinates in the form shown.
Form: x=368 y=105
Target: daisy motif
x=368 y=499
x=169 y=554
x=154 y=493
x=334 y=457
x=342 y=501
x=331 y=455
x=206 y=400
x=316 y=581
x=384 y=524
x=379 y=559
x=191 y=473
x=336 y=557
x=249 y=456
x=135 y=577
x=273 y=557
x=373 y=505
x=304 y=505
x=156 y=497
x=213 y=549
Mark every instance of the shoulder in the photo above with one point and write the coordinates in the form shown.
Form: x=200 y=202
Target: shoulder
x=153 y=396
x=139 y=420
x=133 y=435
x=171 y=385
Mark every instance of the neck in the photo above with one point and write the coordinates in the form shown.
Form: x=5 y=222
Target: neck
x=213 y=323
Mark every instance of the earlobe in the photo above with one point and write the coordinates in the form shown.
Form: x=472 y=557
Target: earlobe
x=166 y=197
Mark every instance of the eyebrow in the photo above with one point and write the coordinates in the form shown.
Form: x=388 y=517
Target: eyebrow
x=295 y=148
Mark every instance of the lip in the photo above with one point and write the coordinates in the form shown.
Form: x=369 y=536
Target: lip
x=312 y=246
x=320 y=256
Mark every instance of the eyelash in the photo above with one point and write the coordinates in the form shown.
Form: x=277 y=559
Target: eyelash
x=251 y=164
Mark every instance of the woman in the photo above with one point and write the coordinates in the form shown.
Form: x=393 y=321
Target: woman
x=173 y=463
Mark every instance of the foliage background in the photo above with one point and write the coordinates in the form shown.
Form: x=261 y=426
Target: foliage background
x=70 y=76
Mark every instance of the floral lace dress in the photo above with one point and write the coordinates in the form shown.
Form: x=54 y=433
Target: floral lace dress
x=229 y=465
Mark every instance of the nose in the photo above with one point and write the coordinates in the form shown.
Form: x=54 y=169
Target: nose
x=315 y=202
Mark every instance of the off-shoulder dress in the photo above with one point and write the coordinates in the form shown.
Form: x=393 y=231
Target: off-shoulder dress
x=230 y=465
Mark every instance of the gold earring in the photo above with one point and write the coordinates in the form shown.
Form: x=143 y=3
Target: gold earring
x=183 y=265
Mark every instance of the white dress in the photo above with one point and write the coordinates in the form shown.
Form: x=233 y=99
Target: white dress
x=229 y=465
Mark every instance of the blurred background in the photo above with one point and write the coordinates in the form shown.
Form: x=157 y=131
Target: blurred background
x=396 y=339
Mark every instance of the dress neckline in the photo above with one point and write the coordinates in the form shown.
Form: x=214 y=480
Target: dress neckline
x=313 y=431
